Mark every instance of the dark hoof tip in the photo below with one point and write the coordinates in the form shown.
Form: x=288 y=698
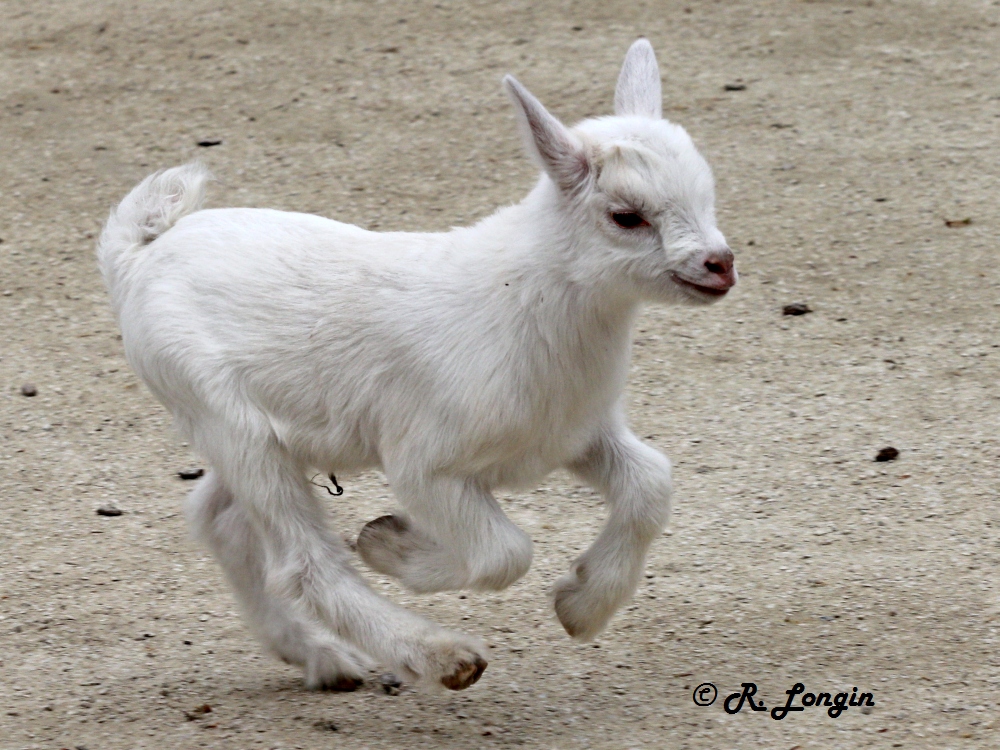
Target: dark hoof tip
x=391 y=684
x=379 y=543
x=384 y=527
x=342 y=684
x=466 y=675
x=385 y=523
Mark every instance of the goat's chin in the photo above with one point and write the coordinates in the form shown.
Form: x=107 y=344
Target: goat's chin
x=668 y=290
x=695 y=298
x=696 y=294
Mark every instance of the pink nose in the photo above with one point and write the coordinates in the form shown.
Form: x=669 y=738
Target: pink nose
x=721 y=264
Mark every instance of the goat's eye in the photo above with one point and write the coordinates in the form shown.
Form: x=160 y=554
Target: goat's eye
x=629 y=220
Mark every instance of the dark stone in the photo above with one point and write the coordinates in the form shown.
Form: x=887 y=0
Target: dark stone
x=191 y=474
x=796 y=308
x=196 y=713
x=887 y=454
x=109 y=510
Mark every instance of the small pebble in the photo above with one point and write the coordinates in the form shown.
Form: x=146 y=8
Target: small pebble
x=887 y=454
x=390 y=683
x=735 y=87
x=957 y=222
x=191 y=474
x=797 y=308
x=327 y=726
x=199 y=712
x=209 y=143
x=29 y=390
x=109 y=510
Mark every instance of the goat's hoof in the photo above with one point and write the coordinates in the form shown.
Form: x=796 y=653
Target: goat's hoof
x=384 y=544
x=565 y=592
x=465 y=675
x=383 y=525
x=334 y=666
x=339 y=684
x=582 y=608
x=391 y=684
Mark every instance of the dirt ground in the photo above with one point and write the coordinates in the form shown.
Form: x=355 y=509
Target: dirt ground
x=792 y=556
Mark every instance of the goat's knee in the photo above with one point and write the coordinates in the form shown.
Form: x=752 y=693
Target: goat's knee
x=502 y=560
x=648 y=499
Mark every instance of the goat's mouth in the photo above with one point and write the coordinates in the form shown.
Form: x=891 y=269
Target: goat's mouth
x=712 y=291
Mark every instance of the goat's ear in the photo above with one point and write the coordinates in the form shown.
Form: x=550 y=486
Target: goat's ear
x=638 y=89
x=558 y=151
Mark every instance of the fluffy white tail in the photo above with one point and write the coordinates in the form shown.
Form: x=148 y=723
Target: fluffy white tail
x=153 y=206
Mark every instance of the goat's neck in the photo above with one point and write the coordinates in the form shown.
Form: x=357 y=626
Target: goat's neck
x=535 y=247
x=541 y=244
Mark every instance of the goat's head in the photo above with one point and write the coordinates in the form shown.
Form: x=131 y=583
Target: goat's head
x=636 y=188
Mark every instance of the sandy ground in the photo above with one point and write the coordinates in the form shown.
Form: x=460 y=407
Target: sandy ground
x=792 y=556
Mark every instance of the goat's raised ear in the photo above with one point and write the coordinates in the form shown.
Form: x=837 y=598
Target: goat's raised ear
x=558 y=151
x=638 y=90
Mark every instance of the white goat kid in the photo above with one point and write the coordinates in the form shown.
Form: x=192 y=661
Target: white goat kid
x=457 y=363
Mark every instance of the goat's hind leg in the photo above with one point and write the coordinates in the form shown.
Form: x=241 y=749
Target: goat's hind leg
x=309 y=567
x=225 y=528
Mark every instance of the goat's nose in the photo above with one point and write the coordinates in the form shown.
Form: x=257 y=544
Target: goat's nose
x=720 y=262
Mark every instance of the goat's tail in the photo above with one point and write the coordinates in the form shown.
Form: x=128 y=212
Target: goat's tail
x=153 y=206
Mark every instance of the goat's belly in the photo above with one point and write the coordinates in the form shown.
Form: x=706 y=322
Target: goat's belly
x=522 y=462
x=520 y=475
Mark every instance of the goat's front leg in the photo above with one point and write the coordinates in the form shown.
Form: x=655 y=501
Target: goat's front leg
x=454 y=535
x=635 y=481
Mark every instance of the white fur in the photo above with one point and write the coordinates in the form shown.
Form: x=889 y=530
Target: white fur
x=457 y=363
